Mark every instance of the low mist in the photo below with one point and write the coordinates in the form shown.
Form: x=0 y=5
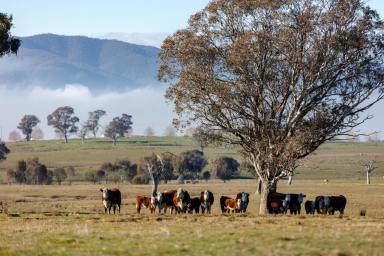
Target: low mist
x=146 y=105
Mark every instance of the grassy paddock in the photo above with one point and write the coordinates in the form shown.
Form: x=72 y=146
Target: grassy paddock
x=69 y=220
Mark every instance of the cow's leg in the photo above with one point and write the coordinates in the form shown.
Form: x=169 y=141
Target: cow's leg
x=114 y=209
x=119 y=207
x=105 y=209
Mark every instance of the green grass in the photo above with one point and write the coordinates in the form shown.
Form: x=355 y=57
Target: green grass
x=69 y=220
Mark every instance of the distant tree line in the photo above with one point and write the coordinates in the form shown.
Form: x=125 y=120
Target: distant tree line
x=34 y=172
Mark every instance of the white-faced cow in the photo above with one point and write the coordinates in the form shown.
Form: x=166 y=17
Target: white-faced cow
x=165 y=200
x=146 y=202
x=111 y=198
x=330 y=204
x=244 y=201
x=206 y=199
x=181 y=200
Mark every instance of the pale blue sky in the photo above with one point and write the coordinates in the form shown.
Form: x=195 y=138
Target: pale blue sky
x=91 y=17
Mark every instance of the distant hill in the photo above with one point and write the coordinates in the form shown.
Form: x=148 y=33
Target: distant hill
x=52 y=61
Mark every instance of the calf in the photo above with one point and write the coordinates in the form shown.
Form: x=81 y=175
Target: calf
x=111 y=198
x=206 y=199
x=310 y=207
x=194 y=205
x=146 y=202
x=165 y=200
x=330 y=204
x=228 y=204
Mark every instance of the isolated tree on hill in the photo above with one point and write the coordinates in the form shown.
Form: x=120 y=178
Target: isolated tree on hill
x=14 y=136
x=225 y=168
x=118 y=127
x=92 y=123
x=3 y=151
x=170 y=131
x=26 y=125
x=276 y=78
x=37 y=134
x=82 y=133
x=64 y=121
x=149 y=132
x=8 y=44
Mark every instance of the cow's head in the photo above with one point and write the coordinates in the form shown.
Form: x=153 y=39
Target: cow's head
x=153 y=200
x=300 y=198
x=159 y=197
x=106 y=193
x=206 y=195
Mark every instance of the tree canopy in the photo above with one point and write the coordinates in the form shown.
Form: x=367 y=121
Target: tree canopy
x=26 y=125
x=64 y=121
x=276 y=78
x=8 y=43
x=118 y=127
x=92 y=124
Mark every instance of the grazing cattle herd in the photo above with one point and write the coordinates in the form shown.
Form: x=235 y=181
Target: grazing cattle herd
x=180 y=201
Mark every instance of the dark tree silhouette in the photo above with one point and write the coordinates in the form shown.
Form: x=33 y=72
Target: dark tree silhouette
x=118 y=127
x=26 y=125
x=92 y=124
x=64 y=121
x=8 y=44
x=225 y=168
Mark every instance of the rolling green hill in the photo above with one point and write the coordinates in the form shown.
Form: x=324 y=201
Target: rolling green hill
x=332 y=160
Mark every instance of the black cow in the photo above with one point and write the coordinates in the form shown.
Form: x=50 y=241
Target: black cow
x=291 y=202
x=310 y=207
x=164 y=200
x=330 y=204
x=244 y=201
x=194 y=205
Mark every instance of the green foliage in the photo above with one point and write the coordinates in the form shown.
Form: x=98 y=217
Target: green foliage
x=225 y=168
x=92 y=124
x=3 y=151
x=118 y=127
x=64 y=121
x=206 y=175
x=8 y=44
x=191 y=163
x=26 y=125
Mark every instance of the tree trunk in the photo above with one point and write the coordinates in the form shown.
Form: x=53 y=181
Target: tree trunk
x=82 y=140
x=290 y=177
x=155 y=183
x=114 y=141
x=65 y=138
x=259 y=186
x=267 y=188
x=368 y=178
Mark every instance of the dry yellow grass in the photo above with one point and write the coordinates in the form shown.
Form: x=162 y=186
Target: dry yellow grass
x=69 y=220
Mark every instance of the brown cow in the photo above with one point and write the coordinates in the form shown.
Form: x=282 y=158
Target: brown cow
x=111 y=198
x=146 y=202
x=194 y=205
x=228 y=204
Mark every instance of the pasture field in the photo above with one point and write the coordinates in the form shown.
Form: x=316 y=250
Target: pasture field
x=69 y=220
x=332 y=160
